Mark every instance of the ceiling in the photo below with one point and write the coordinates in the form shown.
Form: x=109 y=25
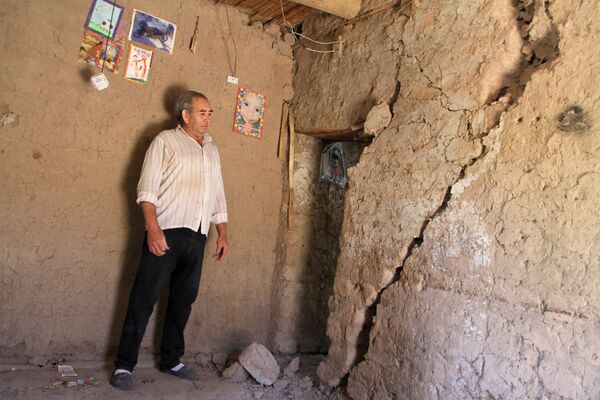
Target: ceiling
x=269 y=11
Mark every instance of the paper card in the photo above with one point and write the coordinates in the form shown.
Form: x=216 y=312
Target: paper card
x=152 y=31
x=138 y=64
x=102 y=12
x=66 y=370
x=249 y=113
x=93 y=50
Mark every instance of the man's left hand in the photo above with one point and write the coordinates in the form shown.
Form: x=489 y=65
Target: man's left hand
x=222 y=248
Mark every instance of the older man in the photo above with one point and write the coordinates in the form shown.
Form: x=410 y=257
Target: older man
x=181 y=193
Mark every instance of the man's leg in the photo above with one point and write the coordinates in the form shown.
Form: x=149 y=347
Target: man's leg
x=183 y=291
x=152 y=275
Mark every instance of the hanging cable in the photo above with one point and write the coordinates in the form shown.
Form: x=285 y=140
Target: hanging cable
x=298 y=35
x=110 y=27
x=234 y=46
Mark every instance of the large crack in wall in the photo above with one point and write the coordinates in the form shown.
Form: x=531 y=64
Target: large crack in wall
x=461 y=66
x=464 y=320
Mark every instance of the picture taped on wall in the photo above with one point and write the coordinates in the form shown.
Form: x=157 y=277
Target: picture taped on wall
x=139 y=61
x=104 y=17
x=152 y=31
x=249 y=113
x=93 y=50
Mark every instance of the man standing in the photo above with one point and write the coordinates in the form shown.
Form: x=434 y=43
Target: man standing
x=181 y=193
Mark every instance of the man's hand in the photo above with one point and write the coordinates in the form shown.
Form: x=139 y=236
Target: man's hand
x=222 y=248
x=156 y=241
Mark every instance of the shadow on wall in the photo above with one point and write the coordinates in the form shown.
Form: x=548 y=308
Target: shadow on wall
x=135 y=226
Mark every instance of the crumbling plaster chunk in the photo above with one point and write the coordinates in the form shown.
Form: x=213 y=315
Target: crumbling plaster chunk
x=260 y=363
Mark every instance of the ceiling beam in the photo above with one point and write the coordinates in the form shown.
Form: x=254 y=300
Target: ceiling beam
x=342 y=8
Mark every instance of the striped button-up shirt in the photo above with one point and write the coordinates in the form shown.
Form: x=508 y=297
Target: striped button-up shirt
x=183 y=180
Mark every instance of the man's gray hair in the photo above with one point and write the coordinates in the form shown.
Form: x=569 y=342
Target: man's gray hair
x=184 y=102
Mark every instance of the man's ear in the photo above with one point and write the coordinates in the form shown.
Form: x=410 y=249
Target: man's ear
x=185 y=115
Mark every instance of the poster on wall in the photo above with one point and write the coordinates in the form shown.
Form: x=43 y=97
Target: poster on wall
x=93 y=48
x=138 y=64
x=152 y=31
x=102 y=12
x=249 y=113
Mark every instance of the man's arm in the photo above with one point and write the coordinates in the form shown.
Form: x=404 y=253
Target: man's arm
x=156 y=237
x=222 y=244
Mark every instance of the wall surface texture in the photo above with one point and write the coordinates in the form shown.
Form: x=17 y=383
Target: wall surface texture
x=71 y=233
x=468 y=266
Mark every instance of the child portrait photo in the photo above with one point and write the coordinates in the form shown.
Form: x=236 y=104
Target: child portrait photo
x=249 y=113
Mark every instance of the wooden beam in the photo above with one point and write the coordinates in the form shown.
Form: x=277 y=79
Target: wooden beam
x=342 y=8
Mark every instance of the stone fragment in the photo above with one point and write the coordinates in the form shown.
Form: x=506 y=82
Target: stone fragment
x=236 y=373
x=281 y=384
x=307 y=383
x=378 y=119
x=203 y=359
x=219 y=359
x=293 y=367
x=260 y=363
x=9 y=119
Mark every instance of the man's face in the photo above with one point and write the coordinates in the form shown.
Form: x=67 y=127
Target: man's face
x=198 y=118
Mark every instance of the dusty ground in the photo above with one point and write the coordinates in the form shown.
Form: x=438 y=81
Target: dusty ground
x=27 y=382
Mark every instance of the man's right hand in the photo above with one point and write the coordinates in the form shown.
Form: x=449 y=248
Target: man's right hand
x=156 y=241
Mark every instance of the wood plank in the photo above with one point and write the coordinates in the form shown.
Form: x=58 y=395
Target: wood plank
x=342 y=8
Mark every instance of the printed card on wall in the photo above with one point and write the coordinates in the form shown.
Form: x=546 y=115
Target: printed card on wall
x=138 y=64
x=151 y=31
x=93 y=50
x=249 y=113
x=102 y=12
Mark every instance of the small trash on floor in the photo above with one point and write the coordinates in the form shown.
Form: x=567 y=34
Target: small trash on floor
x=66 y=370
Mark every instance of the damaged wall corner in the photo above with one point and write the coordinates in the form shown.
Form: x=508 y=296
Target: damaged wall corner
x=469 y=224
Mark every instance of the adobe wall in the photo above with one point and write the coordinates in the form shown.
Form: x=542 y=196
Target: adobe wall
x=468 y=266
x=71 y=233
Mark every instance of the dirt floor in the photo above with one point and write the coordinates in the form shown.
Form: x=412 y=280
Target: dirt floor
x=31 y=383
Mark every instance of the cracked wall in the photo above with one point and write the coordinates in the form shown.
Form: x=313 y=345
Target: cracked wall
x=469 y=237
x=70 y=232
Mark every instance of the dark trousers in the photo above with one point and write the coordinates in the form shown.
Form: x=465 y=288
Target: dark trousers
x=182 y=264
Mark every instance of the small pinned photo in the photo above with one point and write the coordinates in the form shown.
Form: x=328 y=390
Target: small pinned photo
x=138 y=64
x=104 y=17
x=152 y=31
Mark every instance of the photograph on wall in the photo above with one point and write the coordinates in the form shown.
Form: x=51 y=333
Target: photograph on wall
x=138 y=64
x=249 y=113
x=93 y=50
x=151 y=31
x=102 y=12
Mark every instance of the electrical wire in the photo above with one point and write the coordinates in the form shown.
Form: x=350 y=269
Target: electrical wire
x=110 y=27
x=234 y=46
x=355 y=19
x=298 y=35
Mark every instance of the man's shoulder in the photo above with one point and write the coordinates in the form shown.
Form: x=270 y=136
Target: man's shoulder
x=167 y=133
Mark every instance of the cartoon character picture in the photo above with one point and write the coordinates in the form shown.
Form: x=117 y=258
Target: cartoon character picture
x=102 y=12
x=151 y=31
x=249 y=113
x=138 y=64
x=93 y=50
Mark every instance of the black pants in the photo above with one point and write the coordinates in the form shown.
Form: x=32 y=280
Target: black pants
x=183 y=265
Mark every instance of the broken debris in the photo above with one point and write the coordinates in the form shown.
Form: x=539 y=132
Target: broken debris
x=260 y=363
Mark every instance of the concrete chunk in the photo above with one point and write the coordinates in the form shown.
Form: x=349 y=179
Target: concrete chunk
x=260 y=363
x=378 y=119
x=293 y=367
x=236 y=373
